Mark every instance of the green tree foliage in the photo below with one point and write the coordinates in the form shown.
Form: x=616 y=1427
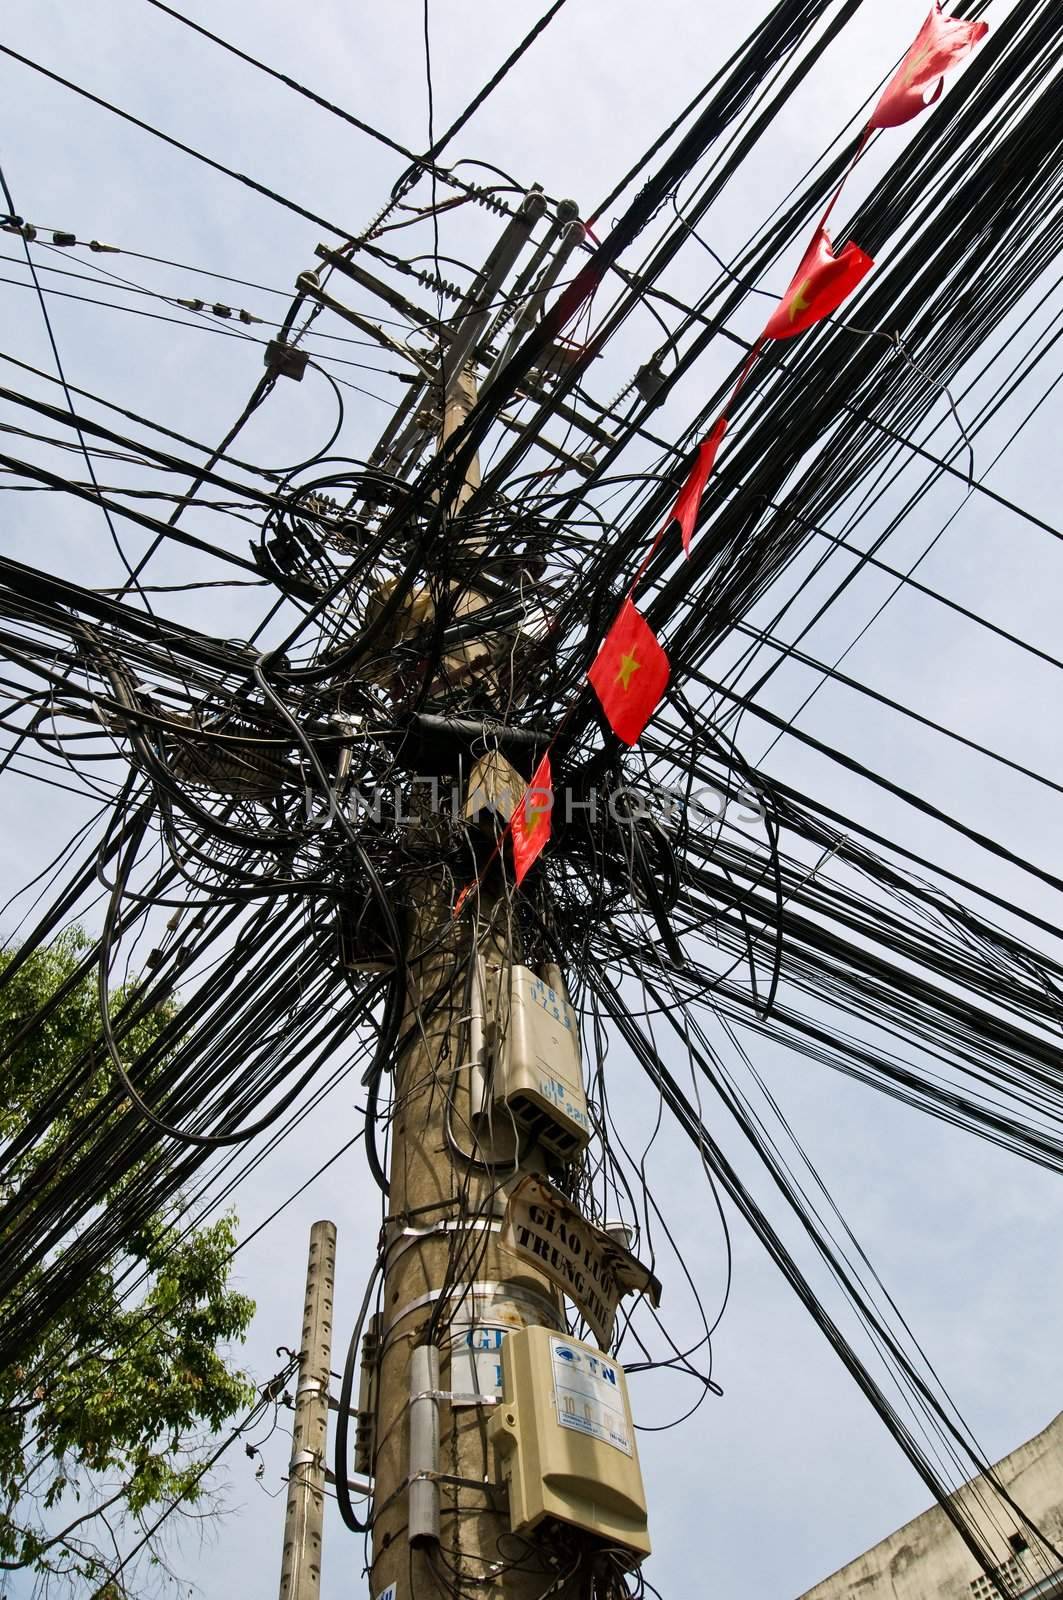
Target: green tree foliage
x=107 y=1413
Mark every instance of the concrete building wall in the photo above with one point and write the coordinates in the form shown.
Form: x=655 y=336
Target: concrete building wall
x=927 y=1559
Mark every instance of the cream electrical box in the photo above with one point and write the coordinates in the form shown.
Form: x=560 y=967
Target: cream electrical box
x=564 y=1441
x=537 y=1068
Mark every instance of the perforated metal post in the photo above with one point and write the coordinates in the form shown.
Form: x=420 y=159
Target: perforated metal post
x=304 y=1514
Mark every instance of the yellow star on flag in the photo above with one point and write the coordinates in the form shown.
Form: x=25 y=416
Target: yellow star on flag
x=629 y=665
x=914 y=65
x=535 y=816
x=798 y=302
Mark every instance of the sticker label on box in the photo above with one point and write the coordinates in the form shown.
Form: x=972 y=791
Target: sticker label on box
x=588 y=1395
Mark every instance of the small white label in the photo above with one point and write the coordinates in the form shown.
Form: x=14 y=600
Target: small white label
x=476 y=1359
x=389 y=1593
x=588 y=1395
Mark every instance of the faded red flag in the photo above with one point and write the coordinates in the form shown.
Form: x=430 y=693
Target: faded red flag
x=530 y=822
x=688 y=501
x=629 y=674
x=941 y=43
x=820 y=284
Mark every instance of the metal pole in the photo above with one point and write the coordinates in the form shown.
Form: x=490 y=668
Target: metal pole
x=304 y=1513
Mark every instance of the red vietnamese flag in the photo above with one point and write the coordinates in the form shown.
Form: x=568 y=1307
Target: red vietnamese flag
x=941 y=43
x=820 y=284
x=688 y=501
x=629 y=674
x=530 y=822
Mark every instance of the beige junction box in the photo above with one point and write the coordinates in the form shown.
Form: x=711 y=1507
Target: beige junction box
x=564 y=1441
x=537 y=1072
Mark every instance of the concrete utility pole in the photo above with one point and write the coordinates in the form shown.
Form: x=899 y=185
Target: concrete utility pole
x=443 y=1235
x=441 y=1524
x=304 y=1514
